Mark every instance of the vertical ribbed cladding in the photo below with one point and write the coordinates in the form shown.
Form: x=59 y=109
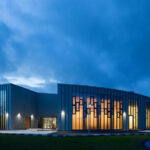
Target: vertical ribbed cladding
x=63 y=117
x=70 y=108
x=2 y=114
x=59 y=107
x=5 y=106
x=117 y=104
x=64 y=107
x=9 y=106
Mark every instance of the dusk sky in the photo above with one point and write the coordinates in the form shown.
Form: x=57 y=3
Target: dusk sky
x=100 y=43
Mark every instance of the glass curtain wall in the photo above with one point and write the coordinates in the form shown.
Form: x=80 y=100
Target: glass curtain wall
x=133 y=114
x=100 y=113
x=3 y=108
x=148 y=115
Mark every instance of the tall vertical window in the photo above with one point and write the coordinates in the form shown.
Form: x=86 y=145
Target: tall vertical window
x=77 y=113
x=110 y=116
x=117 y=115
x=91 y=117
x=133 y=114
x=148 y=115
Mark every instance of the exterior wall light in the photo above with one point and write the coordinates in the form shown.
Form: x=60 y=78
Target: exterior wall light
x=124 y=114
x=32 y=117
x=7 y=115
x=19 y=116
x=62 y=113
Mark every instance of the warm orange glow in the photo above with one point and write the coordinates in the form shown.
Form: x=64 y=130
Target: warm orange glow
x=102 y=115
x=77 y=113
x=73 y=122
x=133 y=114
x=130 y=122
x=81 y=117
x=115 y=115
x=98 y=114
x=91 y=119
x=148 y=115
x=118 y=114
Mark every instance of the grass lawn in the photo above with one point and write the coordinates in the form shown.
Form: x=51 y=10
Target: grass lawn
x=20 y=142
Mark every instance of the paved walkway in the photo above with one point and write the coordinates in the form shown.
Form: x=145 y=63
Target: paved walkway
x=111 y=133
x=145 y=131
x=54 y=133
x=29 y=132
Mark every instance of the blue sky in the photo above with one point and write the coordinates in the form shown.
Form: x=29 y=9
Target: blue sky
x=101 y=43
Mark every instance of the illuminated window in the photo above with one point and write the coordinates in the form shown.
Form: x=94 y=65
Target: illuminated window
x=77 y=113
x=133 y=114
x=49 y=123
x=100 y=113
x=91 y=118
x=74 y=101
x=148 y=115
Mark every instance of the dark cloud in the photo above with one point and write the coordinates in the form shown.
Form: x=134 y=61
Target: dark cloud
x=102 y=43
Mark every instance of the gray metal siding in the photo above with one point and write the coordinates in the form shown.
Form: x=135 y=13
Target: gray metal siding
x=23 y=102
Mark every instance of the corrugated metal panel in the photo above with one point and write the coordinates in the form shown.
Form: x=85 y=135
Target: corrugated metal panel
x=65 y=93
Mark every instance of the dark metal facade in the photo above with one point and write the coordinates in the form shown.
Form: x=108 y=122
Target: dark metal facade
x=133 y=109
x=18 y=103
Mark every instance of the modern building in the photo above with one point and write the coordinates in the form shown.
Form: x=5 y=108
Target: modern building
x=21 y=108
x=74 y=107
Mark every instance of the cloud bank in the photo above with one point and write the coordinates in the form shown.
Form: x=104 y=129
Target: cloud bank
x=102 y=43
